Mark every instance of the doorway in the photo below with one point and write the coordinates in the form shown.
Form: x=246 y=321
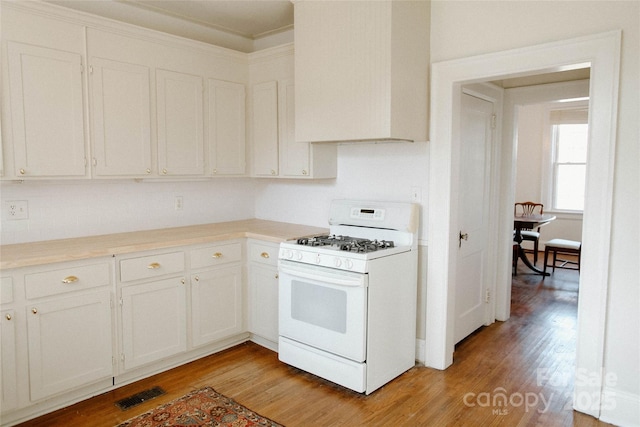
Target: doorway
x=602 y=52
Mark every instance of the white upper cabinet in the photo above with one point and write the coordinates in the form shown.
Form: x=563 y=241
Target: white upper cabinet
x=180 y=138
x=275 y=151
x=121 y=118
x=361 y=70
x=265 y=128
x=47 y=111
x=226 y=121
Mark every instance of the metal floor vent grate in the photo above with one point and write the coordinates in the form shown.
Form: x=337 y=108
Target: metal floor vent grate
x=138 y=398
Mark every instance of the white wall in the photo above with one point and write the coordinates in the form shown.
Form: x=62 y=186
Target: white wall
x=386 y=171
x=72 y=209
x=467 y=28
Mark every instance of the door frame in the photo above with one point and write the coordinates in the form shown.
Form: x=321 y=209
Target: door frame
x=602 y=53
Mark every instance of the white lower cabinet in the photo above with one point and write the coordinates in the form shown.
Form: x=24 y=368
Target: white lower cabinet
x=216 y=304
x=263 y=291
x=8 y=349
x=153 y=321
x=69 y=343
x=216 y=292
x=8 y=378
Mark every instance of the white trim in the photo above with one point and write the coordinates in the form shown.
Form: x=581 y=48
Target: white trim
x=619 y=408
x=602 y=52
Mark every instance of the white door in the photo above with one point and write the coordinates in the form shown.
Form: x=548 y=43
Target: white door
x=324 y=308
x=226 y=121
x=216 y=304
x=121 y=118
x=473 y=219
x=47 y=115
x=154 y=321
x=69 y=343
x=180 y=137
x=265 y=129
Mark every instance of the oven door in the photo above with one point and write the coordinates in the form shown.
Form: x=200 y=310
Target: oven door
x=324 y=308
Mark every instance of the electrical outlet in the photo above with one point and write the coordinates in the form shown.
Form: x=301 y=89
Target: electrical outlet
x=179 y=203
x=416 y=194
x=16 y=209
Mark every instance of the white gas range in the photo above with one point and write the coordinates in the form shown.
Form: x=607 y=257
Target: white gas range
x=347 y=301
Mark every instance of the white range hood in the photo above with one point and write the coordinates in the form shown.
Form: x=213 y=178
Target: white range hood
x=361 y=70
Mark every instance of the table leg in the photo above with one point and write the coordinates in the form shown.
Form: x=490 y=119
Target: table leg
x=523 y=256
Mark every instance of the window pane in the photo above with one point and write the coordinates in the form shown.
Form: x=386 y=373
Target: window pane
x=570 y=187
x=572 y=143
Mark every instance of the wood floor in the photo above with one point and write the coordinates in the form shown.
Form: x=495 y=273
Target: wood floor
x=507 y=359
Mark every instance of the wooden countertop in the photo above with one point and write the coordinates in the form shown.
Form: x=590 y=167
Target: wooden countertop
x=50 y=251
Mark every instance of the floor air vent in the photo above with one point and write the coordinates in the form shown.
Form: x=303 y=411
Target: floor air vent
x=138 y=398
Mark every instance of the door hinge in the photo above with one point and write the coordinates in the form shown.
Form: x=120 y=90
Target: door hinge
x=90 y=69
x=120 y=301
x=494 y=119
x=487 y=296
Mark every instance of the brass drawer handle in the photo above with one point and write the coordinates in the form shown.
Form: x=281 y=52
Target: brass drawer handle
x=70 y=279
x=264 y=254
x=217 y=255
x=153 y=266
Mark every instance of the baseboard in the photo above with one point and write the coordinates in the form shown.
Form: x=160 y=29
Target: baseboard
x=620 y=408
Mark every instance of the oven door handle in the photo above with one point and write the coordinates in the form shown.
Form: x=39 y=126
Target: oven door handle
x=333 y=279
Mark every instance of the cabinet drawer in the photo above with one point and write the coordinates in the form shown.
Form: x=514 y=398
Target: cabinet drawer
x=6 y=290
x=151 y=266
x=264 y=253
x=67 y=279
x=216 y=255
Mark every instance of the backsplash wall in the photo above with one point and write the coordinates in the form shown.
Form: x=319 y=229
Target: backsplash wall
x=389 y=171
x=64 y=209
x=72 y=209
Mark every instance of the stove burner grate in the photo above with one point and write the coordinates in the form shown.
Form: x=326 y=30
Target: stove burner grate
x=346 y=243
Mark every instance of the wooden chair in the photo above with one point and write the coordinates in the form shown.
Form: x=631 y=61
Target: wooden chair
x=527 y=209
x=562 y=246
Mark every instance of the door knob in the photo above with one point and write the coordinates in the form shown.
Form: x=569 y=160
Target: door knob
x=462 y=237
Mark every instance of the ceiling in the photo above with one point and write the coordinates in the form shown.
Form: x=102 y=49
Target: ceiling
x=205 y=20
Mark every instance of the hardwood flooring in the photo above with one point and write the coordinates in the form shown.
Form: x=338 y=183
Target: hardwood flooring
x=511 y=359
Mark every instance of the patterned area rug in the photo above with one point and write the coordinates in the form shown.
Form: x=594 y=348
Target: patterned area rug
x=204 y=407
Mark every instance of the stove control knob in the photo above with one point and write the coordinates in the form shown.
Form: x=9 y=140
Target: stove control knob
x=299 y=256
x=318 y=259
x=348 y=264
x=337 y=262
x=287 y=253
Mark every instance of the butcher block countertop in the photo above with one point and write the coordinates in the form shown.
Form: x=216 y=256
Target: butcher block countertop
x=51 y=251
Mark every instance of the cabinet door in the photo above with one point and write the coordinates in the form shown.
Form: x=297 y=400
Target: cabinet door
x=70 y=343
x=216 y=304
x=226 y=127
x=180 y=138
x=121 y=118
x=265 y=129
x=8 y=379
x=294 y=155
x=46 y=111
x=153 y=321
x=263 y=301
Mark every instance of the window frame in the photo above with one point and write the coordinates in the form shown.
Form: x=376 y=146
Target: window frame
x=559 y=112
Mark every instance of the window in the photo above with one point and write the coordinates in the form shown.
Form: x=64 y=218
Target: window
x=568 y=135
x=569 y=142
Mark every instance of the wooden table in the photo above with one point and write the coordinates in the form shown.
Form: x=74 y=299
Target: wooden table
x=529 y=222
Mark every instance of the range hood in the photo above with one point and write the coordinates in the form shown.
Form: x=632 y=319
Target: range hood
x=361 y=70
